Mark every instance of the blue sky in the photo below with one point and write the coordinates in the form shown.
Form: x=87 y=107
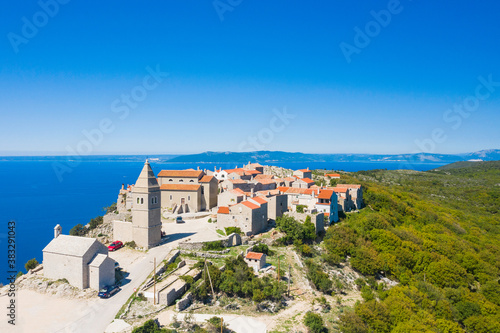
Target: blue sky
x=228 y=78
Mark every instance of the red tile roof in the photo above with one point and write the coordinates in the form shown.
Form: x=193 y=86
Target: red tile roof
x=261 y=176
x=304 y=170
x=180 y=173
x=325 y=194
x=223 y=210
x=283 y=188
x=260 y=200
x=180 y=187
x=254 y=255
x=253 y=172
x=332 y=175
x=266 y=181
x=239 y=190
x=349 y=185
x=206 y=179
x=307 y=180
x=339 y=189
x=271 y=192
x=250 y=205
x=237 y=181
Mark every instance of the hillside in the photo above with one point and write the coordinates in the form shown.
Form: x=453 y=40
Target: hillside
x=438 y=234
x=281 y=156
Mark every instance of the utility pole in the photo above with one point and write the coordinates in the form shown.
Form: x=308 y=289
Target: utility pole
x=289 y=278
x=209 y=279
x=154 y=279
x=278 y=277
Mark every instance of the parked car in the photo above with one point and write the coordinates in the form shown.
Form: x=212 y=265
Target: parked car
x=108 y=291
x=178 y=219
x=115 y=245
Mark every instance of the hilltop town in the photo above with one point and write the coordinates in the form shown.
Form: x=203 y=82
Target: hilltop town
x=188 y=223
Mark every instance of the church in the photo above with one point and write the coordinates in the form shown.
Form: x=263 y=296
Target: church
x=145 y=228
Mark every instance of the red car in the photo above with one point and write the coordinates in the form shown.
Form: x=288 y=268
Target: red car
x=115 y=245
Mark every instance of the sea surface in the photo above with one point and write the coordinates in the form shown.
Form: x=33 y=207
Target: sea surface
x=39 y=193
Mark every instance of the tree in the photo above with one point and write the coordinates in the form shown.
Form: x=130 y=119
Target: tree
x=78 y=230
x=32 y=263
x=261 y=248
x=314 y=323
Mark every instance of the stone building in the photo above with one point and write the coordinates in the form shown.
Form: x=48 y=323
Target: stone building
x=255 y=260
x=303 y=173
x=83 y=261
x=250 y=217
x=145 y=228
x=356 y=194
x=327 y=203
x=187 y=190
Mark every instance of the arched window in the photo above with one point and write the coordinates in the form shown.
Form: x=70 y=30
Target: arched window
x=138 y=200
x=170 y=197
x=191 y=181
x=142 y=201
x=170 y=180
x=189 y=198
x=181 y=180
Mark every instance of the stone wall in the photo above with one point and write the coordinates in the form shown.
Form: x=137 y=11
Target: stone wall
x=184 y=302
x=316 y=219
x=231 y=240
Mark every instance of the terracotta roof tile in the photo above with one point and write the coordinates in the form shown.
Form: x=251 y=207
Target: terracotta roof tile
x=325 y=194
x=332 y=175
x=223 y=210
x=250 y=205
x=254 y=255
x=206 y=179
x=180 y=173
x=349 y=185
x=260 y=200
x=237 y=181
x=261 y=176
x=307 y=180
x=180 y=187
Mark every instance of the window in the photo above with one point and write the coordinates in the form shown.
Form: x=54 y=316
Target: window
x=170 y=197
x=138 y=200
x=191 y=181
x=142 y=201
x=189 y=198
x=170 y=180
x=181 y=180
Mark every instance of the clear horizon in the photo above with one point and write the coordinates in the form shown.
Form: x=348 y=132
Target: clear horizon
x=395 y=77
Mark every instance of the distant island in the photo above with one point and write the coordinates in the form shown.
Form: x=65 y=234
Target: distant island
x=281 y=156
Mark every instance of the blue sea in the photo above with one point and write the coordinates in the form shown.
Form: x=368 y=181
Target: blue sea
x=37 y=197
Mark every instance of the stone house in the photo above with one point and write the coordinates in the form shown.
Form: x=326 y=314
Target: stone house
x=255 y=260
x=327 y=203
x=230 y=197
x=254 y=166
x=277 y=203
x=250 y=217
x=303 y=183
x=232 y=184
x=332 y=175
x=263 y=184
x=356 y=194
x=303 y=173
x=83 y=261
x=187 y=190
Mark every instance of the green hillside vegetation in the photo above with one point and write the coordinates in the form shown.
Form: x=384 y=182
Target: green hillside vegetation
x=437 y=233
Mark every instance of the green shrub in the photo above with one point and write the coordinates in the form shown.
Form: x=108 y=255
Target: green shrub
x=231 y=230
x=78 y=230
x=261 y=248
x=314 y=323
x=300 y=208
x=130 y=244
x=213 y=246
x=32 y=263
